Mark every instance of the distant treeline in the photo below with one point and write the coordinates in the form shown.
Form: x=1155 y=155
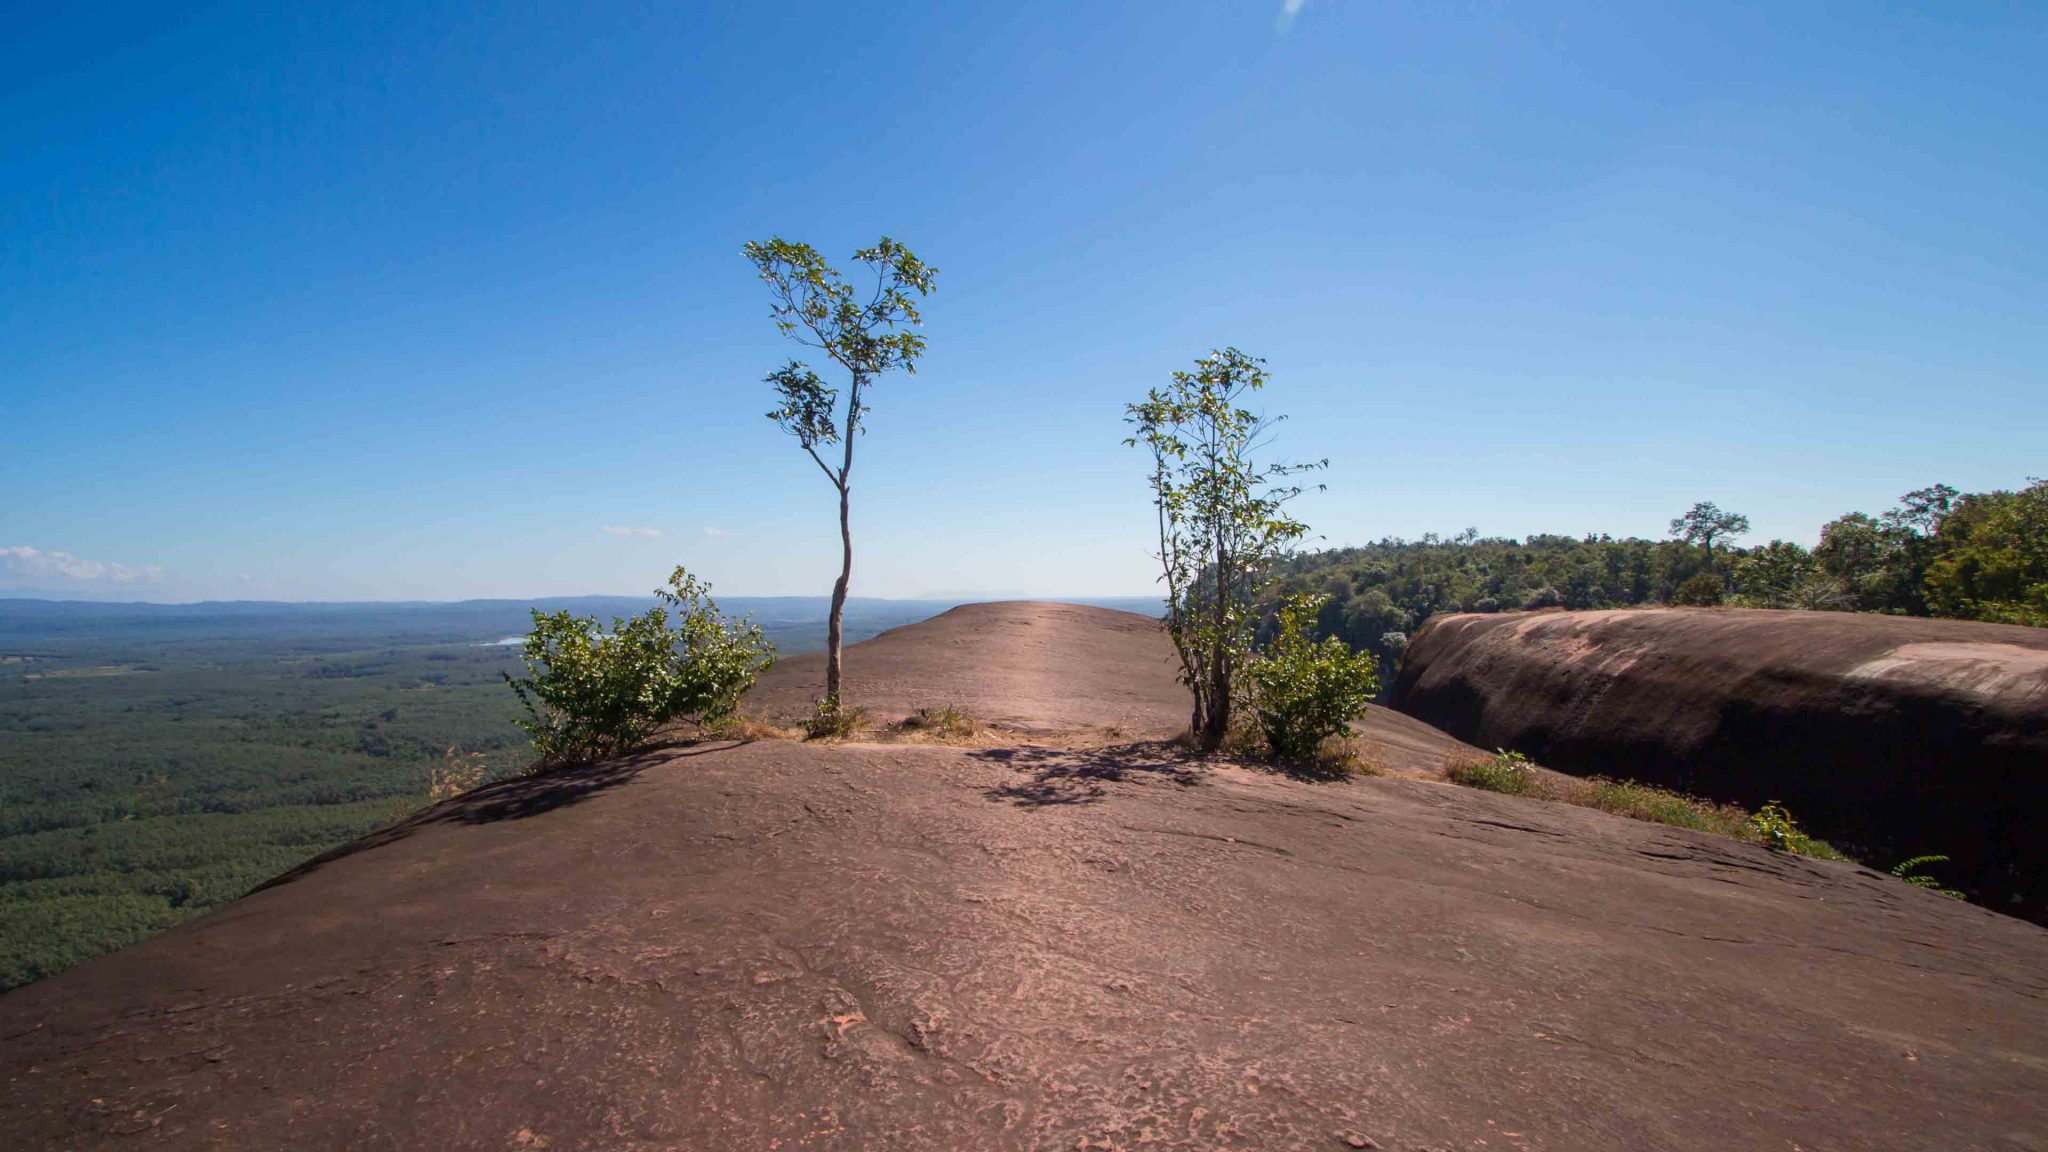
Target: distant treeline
x=1975 y=556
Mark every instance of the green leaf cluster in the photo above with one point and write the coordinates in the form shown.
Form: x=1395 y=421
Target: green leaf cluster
x=1994 y=563
x=1304 y=690
x=1773 y=827
x=867 y=332
x=1702 y=591
x=590 y=693
x=1782 y=574
x=1913 y=870
x=1879 y=563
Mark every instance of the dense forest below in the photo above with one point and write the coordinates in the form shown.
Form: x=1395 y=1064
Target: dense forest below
x=160 y=760
x=143 y=784
x=1980 y=556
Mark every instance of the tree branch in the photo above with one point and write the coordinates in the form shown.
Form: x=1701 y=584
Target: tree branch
x=836 y=481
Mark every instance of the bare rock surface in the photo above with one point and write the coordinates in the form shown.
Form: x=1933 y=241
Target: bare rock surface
x=1040 y=669
x=1027 y=665
x=1107 y=946
x=1901 y=736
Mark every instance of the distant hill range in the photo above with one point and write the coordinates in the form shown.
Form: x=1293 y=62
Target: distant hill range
x=795 y=623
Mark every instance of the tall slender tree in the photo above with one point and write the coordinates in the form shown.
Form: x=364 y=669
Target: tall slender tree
x=1222 y=522
x=867 y=333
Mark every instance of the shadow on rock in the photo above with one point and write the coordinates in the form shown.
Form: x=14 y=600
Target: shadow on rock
x=1056 y=776
x=515 y=799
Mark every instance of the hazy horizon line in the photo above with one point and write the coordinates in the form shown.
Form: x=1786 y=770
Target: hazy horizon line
x=42 y=597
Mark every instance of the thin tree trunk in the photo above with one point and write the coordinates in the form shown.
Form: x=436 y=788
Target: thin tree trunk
x=1219 y=673
x=832 y=625
x=839 y=586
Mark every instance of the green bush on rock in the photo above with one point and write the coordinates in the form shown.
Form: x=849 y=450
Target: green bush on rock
x=1305 y=692
x=590 y=694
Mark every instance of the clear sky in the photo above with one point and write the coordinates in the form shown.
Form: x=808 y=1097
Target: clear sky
x=438 y=301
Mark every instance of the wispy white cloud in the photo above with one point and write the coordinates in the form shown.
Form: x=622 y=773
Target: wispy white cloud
x=1289 y=9
x=24 y=562
x=714 y=531
x=630 y=530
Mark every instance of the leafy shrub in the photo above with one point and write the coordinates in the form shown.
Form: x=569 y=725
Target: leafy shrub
x=833 y=721
x=1701 y=591
x=1303 y=691
x=1335 y=757
x=1544 y=597
x=1914 y=871
x=1773 y=827
x=590 y=694
x=1509 y=773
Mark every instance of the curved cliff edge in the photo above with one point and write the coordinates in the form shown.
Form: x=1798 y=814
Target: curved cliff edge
x=1899 y=735
x=1058 y=939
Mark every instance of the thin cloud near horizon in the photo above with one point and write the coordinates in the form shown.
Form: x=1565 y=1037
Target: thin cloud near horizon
x=27 y=562
x=633 y=530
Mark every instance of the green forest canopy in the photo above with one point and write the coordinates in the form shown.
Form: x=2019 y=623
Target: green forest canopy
x=1976 y=556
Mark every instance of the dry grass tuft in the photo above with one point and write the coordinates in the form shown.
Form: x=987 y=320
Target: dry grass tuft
x=1513 y=774
x=1656 y=805
x=834 y=722
x=1338 y=758
x=942 y=725
x=946 y=724
x=1509 y=773
x=1244 y=739
x=454 y=775
x=745 y=729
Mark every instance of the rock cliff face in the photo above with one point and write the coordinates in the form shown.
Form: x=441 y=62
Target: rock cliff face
x=1901 y=735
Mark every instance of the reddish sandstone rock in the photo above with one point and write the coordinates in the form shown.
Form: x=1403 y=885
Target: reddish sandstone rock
x=1902 y=736
x=1056 y=943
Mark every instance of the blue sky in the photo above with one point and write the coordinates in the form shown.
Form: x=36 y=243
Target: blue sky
x=417 y=301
